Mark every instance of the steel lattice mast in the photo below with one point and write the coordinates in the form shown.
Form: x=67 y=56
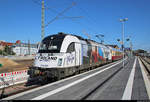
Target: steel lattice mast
x=43 y=21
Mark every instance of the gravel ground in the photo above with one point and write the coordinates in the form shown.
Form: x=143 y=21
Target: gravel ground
x=22 y=65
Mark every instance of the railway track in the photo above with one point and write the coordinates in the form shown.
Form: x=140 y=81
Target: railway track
x=146 y=64
x=18 y=88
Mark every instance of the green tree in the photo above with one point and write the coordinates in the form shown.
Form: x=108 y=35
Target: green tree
x=8 y=51
x=1 y=52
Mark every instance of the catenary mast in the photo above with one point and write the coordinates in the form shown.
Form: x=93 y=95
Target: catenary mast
x=43 y=21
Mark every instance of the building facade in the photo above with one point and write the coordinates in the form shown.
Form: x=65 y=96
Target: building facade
x=25 y=49
x=20 y=48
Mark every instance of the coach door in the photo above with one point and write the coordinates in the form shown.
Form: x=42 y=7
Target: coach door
x=77 y=54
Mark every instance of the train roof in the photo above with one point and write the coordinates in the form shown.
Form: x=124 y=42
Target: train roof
x=56 y=36
x=62 y=35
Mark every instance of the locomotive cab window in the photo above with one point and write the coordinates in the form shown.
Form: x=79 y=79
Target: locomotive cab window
x=71 y=48
x=51 y=45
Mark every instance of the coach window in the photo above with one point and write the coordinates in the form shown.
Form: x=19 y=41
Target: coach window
x=71 y=48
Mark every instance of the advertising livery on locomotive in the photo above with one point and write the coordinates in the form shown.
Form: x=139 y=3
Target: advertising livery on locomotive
x=62 y=55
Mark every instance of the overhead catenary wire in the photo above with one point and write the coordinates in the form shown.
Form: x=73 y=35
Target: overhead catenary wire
x=92 y=20
x=60 y=15
x=48 y=8
x=89 y=18
x=55 y=18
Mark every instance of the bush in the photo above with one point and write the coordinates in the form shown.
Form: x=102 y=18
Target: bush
x=13 y=53
x=1 y=52
x=7 y=51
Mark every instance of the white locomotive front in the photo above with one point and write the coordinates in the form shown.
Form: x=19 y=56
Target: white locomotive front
x=63 y=55
x=57 y=56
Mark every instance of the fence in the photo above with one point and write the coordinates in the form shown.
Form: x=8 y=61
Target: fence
x=12 y=78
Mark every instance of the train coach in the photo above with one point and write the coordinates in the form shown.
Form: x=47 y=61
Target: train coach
x=116 y=53
x=62 y=55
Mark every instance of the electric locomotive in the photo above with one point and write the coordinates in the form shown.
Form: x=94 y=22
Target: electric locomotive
x=62 y=55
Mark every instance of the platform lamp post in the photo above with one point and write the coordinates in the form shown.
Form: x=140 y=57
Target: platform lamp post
x=122 y=21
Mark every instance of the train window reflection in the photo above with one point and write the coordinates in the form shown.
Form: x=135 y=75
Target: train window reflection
x=52 y=46
x=71 y=48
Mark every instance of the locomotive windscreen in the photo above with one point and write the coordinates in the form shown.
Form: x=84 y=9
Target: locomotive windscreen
x=51 y=44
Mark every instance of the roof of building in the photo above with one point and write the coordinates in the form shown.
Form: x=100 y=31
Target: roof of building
x=6 y=43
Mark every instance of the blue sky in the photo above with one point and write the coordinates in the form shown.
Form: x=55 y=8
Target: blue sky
x=21 y=20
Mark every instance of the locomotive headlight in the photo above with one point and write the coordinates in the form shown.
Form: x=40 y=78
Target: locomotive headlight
x=59 y=61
